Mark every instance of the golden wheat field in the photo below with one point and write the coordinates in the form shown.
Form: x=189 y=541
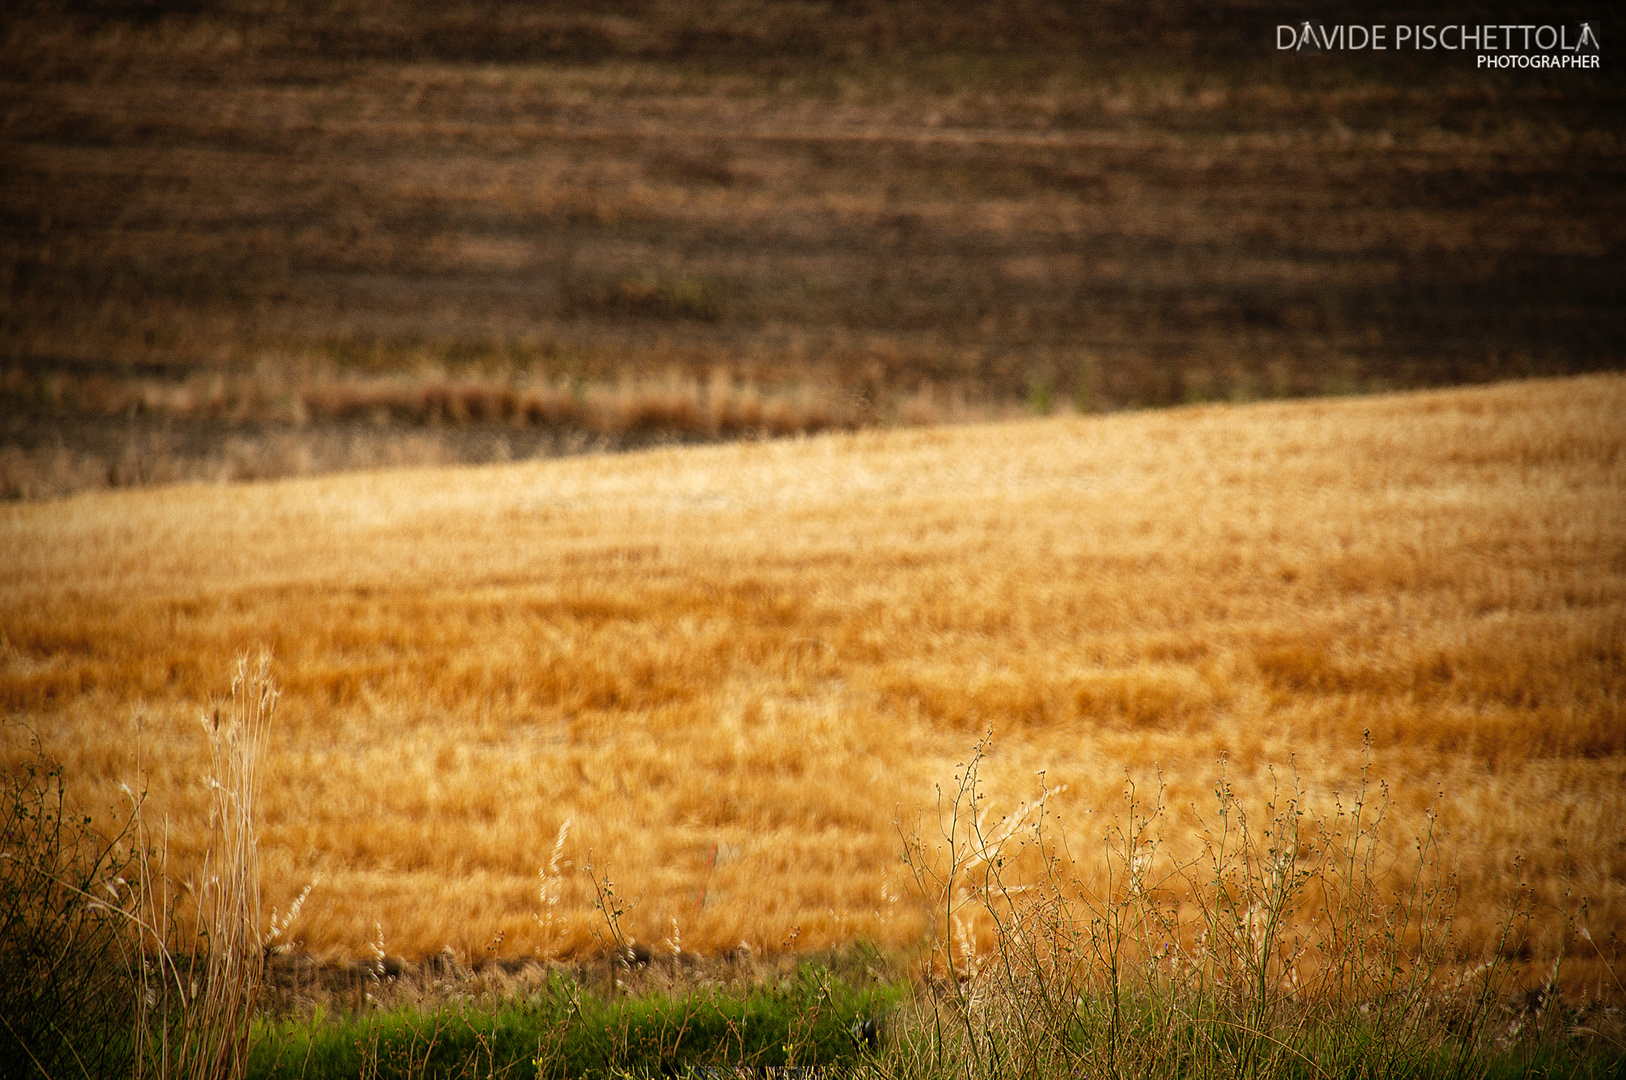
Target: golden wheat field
x=736 y=671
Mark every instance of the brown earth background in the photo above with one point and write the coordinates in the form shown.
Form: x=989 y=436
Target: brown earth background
x=245 y=239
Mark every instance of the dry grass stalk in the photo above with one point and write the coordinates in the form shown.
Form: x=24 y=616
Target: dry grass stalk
x=1283 y=945
x=200 y=972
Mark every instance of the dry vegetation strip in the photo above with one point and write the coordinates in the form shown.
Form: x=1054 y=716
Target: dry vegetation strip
x=731 y=668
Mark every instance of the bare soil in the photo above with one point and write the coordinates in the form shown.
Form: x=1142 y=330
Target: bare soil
x=918 y=213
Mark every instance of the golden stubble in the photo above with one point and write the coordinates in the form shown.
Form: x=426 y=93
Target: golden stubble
x=738 y=670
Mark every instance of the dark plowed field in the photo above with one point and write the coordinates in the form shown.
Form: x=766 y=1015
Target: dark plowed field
x=906 y=213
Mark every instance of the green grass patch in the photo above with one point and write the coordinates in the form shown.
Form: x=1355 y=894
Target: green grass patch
x=563 y=1030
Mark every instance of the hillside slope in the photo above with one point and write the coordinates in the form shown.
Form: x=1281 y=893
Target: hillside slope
x=733 y=668
x=249 y=240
